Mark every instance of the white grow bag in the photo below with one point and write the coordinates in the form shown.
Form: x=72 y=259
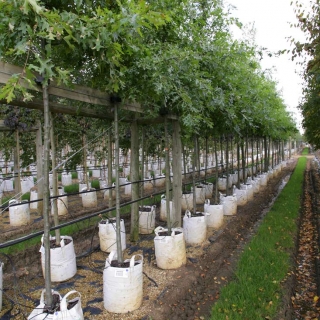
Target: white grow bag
x=75 y=313
x=163 y=210
x=170 y=251
x=147 y=219
x=89 y=198
x=108 y=237
x=19 y=215
x=229 y=205
x=214 y=214
x=123 y=287
x=194 y=228
x=242 y=196
x=187 y=201
x=63 y=260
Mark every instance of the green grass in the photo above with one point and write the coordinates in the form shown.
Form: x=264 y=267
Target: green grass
x=305 y=151
x=255 y=292
x=95 y=184
x=74 y=175
x=26 y=196
x=72 y=188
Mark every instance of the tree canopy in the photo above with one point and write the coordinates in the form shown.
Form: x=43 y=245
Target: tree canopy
x=174 y=57
x=308 y=21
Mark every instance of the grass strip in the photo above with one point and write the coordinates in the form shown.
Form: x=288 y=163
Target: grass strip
x=255 y=292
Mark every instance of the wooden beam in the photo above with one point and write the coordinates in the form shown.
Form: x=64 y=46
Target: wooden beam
x=83 y=112
x=60 y=108
x=76 y=92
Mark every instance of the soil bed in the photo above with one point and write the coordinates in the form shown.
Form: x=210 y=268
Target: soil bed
x=185 y=293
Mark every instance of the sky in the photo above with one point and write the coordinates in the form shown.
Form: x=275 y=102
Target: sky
x=271 y=20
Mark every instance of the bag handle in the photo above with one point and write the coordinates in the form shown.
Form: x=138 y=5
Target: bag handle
x=207 y=201
x=110 y=258
x=132 y=260
x=158 y=230
x=13 y=201
x=187 y=214
x=63 y=303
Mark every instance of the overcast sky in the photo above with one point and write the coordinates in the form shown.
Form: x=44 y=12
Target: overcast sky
x=271 y=20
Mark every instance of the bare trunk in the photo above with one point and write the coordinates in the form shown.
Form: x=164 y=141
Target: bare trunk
x=194 y=174
x=85 y=168
x=54 y=182
x=39 y=149
x=238 y=164
x=216 y=197
x=142 y=161
x=134 y=176
x=17 y=177
x=110 y=168
x=46 y=203
x=116 y=158
x=227 y=166
x=243 y=158
x=167 y=175
x=177 y=176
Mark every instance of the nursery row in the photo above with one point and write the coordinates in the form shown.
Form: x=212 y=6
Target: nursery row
x=170 y=248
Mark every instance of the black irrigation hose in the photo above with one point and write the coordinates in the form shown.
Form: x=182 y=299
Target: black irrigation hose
x=39 y=233
x=36 y=234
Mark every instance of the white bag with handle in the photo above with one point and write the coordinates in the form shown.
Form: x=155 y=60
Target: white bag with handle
x=74 y=313
x=37 y=313
x=65 y=313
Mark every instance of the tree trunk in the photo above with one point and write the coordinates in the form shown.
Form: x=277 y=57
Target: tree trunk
x=227 y=166
x=17 y=177
x=46 y=203
x=221 y=149
x=243 y=158
x=39 y=149
x=177 y=174
x=253 y=162
x=142 y=161
x=85 y=169
x=54 y=182
x=116 y=158
x=238 y=164
x=266 y=160
x=110 y=168
x=169 y=225
x=134 y=176
x=194 y=175
x=216 y=196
